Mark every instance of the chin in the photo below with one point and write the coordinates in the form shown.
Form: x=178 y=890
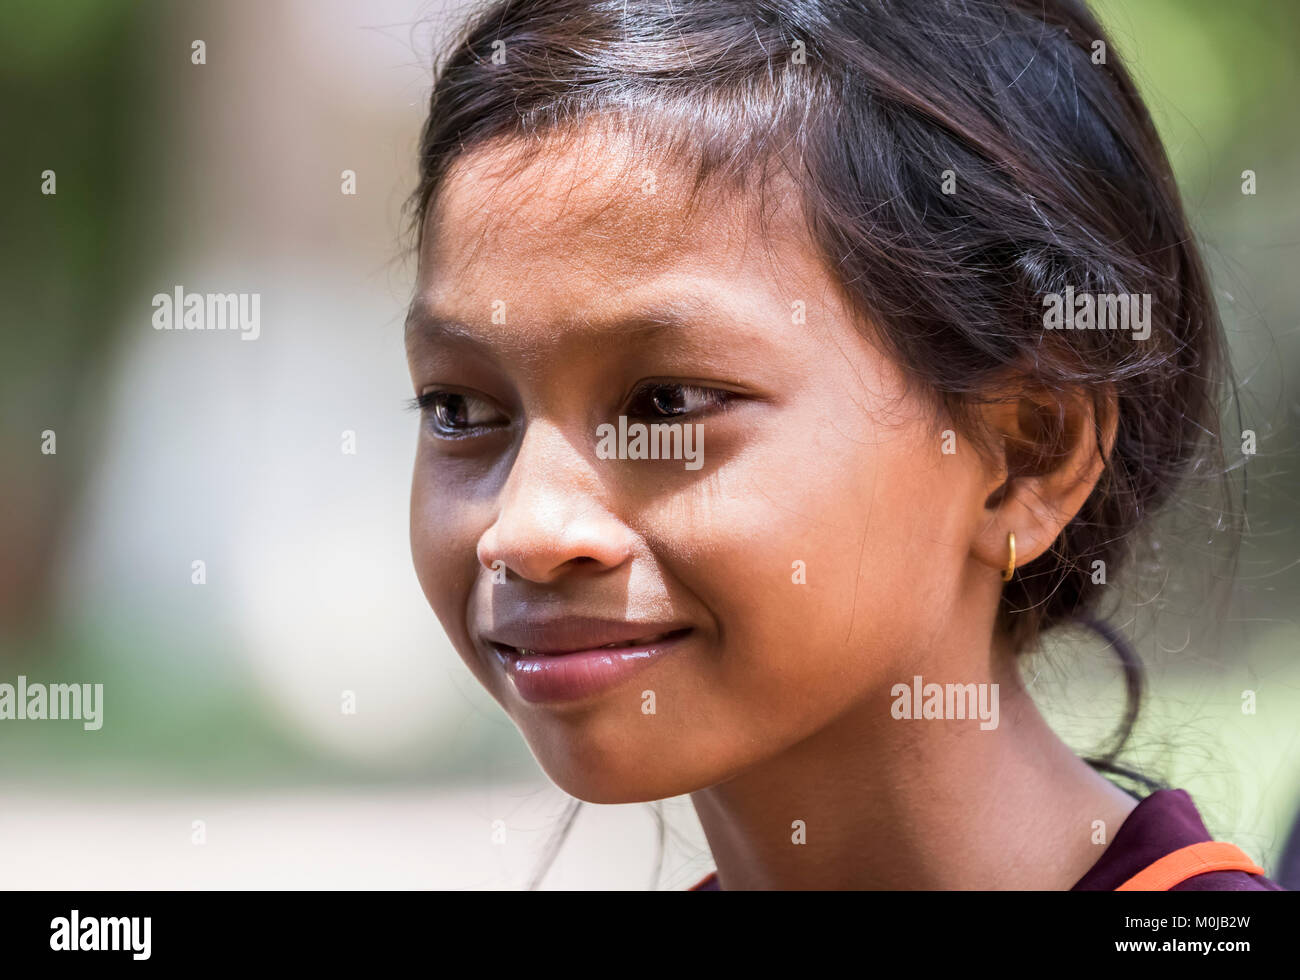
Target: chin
x=611 y=786
x=595 y=772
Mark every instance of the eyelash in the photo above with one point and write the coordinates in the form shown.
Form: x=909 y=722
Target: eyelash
x=427 y=402
x=718 y=399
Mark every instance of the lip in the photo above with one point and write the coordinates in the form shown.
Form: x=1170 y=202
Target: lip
x=571 y=659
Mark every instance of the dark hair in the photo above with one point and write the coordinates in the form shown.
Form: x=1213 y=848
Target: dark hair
x=1061 y=181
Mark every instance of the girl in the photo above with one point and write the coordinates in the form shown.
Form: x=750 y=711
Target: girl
x=785 y=369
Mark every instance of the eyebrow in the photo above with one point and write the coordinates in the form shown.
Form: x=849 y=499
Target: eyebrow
x=673 y=314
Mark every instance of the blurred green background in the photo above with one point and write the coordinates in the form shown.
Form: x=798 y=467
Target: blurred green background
x=222 y=701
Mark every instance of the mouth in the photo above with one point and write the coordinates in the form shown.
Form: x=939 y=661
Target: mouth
x=633 y=644
x=547 y=671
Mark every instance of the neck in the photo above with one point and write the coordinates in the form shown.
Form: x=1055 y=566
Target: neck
x=888 y=803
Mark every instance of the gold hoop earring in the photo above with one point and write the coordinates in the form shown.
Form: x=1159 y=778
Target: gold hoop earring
x=1011 y=560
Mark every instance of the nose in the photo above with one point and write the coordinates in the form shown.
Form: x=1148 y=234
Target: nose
x=552 y=518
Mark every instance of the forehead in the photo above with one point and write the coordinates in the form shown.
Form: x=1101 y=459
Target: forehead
x=594 y=216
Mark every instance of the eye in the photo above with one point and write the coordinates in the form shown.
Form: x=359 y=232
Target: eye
x=667 y=399
x=457 y=414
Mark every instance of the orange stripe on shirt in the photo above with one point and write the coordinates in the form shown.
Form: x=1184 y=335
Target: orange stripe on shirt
x=1187 y=862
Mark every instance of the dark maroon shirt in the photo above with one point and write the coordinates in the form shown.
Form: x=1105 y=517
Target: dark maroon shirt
x=1163 y=822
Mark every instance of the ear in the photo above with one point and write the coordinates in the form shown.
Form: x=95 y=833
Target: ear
x=1049 y=450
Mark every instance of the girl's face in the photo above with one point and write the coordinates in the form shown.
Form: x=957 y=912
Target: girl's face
x=807 y=556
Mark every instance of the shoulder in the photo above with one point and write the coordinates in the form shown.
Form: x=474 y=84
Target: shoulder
x=1155 y=831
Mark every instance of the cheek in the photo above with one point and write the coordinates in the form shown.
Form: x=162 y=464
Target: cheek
x=827 y=561
x=443 y=548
